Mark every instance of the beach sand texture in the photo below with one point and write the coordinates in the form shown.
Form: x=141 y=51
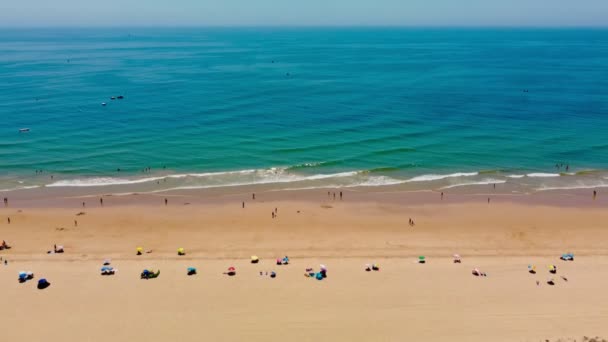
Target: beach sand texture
x=404 y=301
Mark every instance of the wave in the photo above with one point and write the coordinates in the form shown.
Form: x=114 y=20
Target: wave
x=101 y=181
x=20 y=188
x=542 y=175
x=482 y=182
x=572 y=187
x=516 y=176
x=428 y=178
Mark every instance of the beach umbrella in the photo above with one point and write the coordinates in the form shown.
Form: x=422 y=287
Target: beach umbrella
x=191 y=269
x=181 y=251
x=22 y=275
x=456 y=256
x=231 y=269
x=106 y=261
x=106 y=269
x=323 y=267
x=254 y=258
x=139 y=250
x=319 y=276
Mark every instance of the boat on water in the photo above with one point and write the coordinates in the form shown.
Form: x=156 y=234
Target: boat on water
x=23 y=130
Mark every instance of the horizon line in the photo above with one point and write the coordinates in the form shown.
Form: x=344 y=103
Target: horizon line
x=309 y=26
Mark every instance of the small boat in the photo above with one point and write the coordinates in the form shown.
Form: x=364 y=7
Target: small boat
x=113 y=98
x=120 y=97
x=103 y=103
x=22 y=130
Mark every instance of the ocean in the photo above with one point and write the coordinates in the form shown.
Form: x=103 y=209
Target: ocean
x=303 y=108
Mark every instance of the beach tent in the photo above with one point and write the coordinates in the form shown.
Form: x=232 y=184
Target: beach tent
x=43 y=284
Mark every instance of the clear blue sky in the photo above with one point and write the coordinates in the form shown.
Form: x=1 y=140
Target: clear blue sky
x=303 y=12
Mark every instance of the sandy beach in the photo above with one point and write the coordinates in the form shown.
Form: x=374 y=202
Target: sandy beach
x=436 y=301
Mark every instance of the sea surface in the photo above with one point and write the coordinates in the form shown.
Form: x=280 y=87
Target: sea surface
x=304 y=108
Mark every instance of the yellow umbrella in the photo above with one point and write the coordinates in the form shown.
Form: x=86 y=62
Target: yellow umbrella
x=139 y=250
x=254 y=258
x=180 y=251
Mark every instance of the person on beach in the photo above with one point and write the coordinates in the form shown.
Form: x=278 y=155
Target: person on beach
x=328 y=194
x=253 y=196
x=340 y=195
x=75 y=223
x=166 y=201
x=243 y=205
x=488 y=200
x=273 y=214
x=83 y=204
x=334 y=196
x=594 y=194
x=6 y=201
x=101 y=201
x=8 y=219
x=441 y=195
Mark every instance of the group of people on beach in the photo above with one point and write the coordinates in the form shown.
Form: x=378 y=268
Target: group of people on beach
x=329 y=194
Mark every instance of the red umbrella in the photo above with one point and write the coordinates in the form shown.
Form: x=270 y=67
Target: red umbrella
x=231 y=269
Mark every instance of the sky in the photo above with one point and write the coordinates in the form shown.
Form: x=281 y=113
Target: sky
x=35 y=13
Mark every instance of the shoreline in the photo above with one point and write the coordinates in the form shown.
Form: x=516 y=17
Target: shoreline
x=73 y=197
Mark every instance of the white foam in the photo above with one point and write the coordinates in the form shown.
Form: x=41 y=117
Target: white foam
x=516 y=176
x=378 y=181
x=428 y=178
x=542 y=175
x=483 y=182
x=20 y=188
x=572 y=187
x=101 y=181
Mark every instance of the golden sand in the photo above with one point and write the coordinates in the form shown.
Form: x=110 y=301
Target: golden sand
x=404 y=301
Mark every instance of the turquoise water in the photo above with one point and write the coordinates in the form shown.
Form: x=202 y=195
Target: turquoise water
x=304 y=107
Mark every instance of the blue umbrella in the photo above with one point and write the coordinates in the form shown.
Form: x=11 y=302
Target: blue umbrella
x=106 y=268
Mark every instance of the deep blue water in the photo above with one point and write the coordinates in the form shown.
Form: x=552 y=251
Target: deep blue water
x=366 y=105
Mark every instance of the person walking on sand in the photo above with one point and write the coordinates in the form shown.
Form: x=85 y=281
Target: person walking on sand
x=253 y=196
x=594 y=194
x=83 y=204
x=8 y=219
x=243 y=205
x=101 y=201
x=334 y=196
x=340 y=195
x=273 y=214
x=488 y=200
x=6 y=201
x=441 y=195
x=166 y=201
x=75 y=223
